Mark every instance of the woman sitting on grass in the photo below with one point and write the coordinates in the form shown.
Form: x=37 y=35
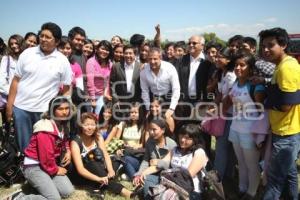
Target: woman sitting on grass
x=93 y=167
x=189 y=155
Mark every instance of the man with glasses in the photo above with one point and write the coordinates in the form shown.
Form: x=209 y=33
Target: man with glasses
x=39 y=75
x=193 y=72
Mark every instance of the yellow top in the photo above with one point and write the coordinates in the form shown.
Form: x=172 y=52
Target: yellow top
x=287 y=76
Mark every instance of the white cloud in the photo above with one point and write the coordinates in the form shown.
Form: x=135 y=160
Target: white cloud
x=224 y=31
x=270 y=20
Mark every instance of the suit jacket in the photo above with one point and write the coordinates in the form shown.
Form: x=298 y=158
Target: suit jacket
x=203 y=73
x=118 y=85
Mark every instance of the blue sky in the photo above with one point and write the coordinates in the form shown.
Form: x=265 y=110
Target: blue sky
x=179 y=19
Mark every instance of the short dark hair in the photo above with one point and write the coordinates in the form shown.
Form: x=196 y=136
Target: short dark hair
x=251 y=41
x=212 y=44
x=194 y=132
x=235 y=38
x=279 y=34
x=76 y=30
x=129 y=46
x=54 y=29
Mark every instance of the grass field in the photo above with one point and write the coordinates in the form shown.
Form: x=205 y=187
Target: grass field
x=82 y=194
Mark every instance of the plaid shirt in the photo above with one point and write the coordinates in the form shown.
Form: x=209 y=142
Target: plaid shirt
x=264 y=69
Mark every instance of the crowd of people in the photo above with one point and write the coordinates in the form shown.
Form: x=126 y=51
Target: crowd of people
x=87 y=111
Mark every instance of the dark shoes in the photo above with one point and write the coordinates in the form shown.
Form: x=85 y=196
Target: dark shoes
x=137 y=192
x=97 y=194
x=247 y=197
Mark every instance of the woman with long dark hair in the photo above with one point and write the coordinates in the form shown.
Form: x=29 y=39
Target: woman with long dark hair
x=98 y=70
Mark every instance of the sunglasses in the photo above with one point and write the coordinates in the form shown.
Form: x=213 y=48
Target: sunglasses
x=193 y=43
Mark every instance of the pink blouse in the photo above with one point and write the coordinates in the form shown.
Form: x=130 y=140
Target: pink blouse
x=97 y=77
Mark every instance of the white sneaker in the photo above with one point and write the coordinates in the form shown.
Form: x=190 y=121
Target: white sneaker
x=124 y=177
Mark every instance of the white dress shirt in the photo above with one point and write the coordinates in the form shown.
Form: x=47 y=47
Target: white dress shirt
x=165 y=81
x=129 y=73
x=194 y=64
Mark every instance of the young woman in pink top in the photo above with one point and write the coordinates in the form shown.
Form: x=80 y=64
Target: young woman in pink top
x=98 y=70
x=65 y=48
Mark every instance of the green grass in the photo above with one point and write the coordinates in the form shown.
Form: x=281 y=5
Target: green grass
x=82 y=194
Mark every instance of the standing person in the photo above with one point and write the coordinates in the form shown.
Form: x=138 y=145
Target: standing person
x=98 y=70
x=115 y=40
x=159 y=78
x=88 y=48
x=8 y=67
x=193 y=72
x=118 y=53
x=225 y=77
x=2 y=48
x=40 y=72
x=77 y=36
x=245 y=114
x=169 y=53
x=284 y=114
x=125 y=80
x=64 y=47
x=234 y=44
x=48 y=153
x=31 y=39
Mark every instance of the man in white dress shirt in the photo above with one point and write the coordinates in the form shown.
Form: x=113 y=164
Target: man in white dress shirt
x=159 y=78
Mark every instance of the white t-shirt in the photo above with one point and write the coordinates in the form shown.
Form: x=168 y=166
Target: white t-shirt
x=40 y=78
x=183 y=161
x=5 y=79
x=244 y=111
x=226 y=83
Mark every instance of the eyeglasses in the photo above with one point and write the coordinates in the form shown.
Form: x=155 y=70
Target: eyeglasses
x=193 y=43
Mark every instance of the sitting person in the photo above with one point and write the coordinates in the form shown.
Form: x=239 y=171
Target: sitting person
x=92 y=164
x=107 y=122
x=132 y=133
x=44 y=163
x=189 y=155
x=157 y=146
x=156 y=111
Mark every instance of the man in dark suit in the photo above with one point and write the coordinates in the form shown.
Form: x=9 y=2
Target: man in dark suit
x=194 y=71
x=125 y=79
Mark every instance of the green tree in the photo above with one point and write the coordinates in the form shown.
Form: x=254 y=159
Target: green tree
x=213 y=37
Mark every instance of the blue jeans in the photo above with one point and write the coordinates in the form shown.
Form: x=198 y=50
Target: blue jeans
x=131 y=166
x=150 y=181
x=24 y=122
x=99 y=104
x=224 y=159
x=283 y=170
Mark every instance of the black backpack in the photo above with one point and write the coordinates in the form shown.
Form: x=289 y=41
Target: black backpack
x=10 y=157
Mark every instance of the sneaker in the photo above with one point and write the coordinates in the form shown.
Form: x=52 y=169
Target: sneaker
x=15 y=195
x=124 y=177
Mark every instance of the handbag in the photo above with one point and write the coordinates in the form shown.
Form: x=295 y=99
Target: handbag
x=213 y=126
x=10 y=157
x=211 y=185
x=137 y=153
